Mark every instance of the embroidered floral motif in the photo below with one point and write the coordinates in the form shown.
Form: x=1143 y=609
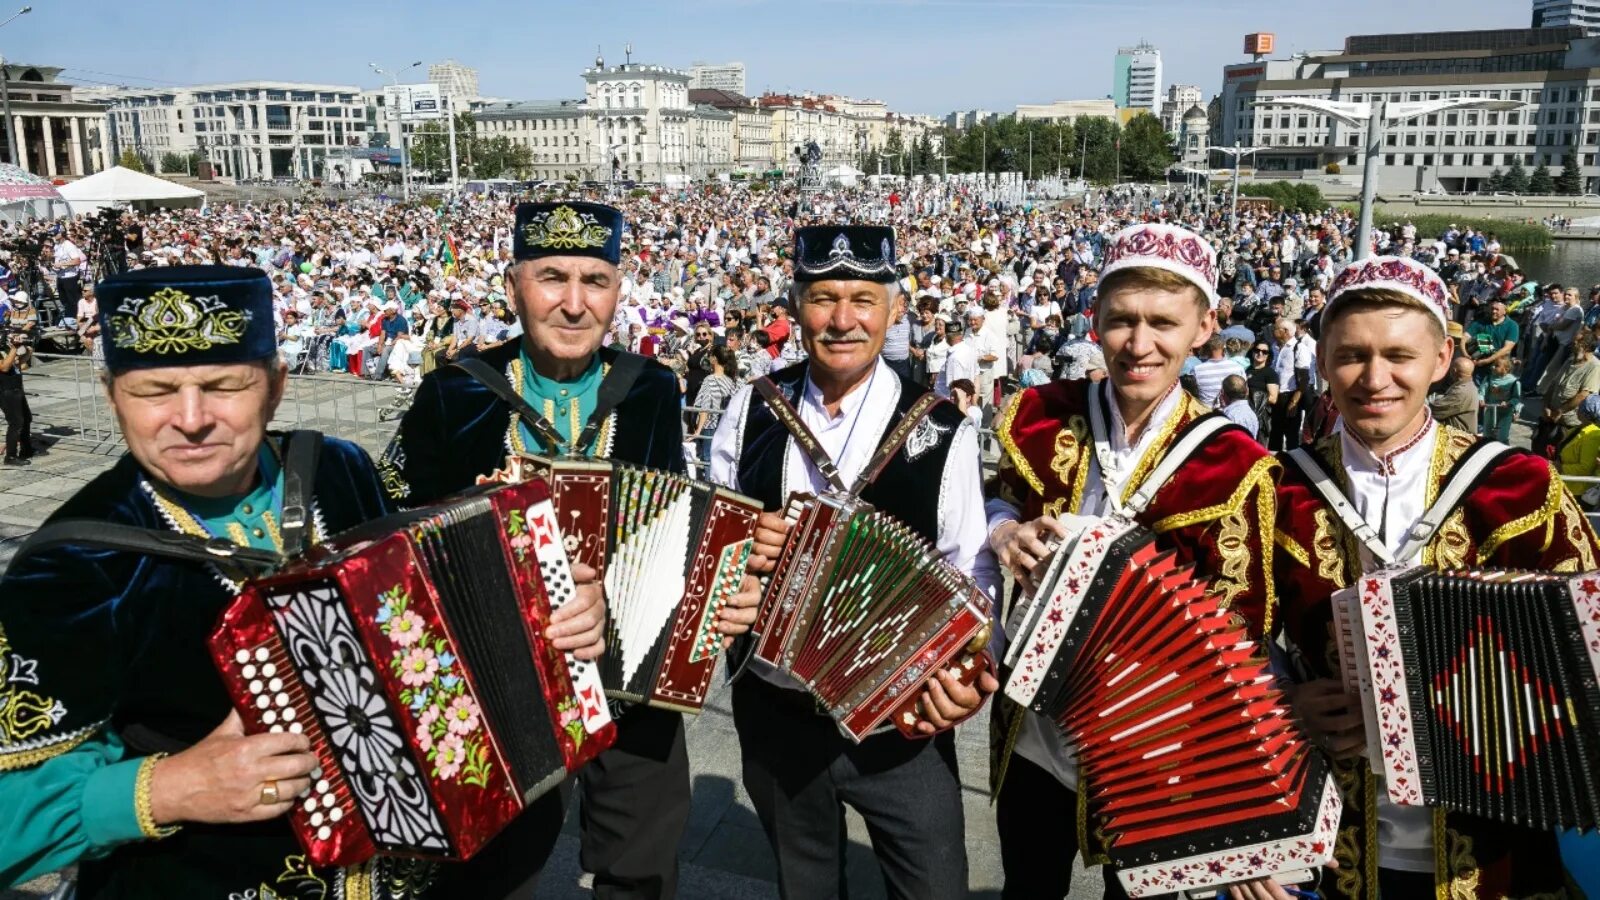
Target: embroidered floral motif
x=569 y=714
x=23 y=713
x=170 y=321
x=1452 y=546
x=1404 y=275
x=1068 y=449
x=1233 y=545
x=449 y=721
x=923 y=438
x=564 y=228
x=1325 y=547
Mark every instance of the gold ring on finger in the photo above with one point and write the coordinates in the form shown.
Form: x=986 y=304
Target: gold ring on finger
x=269 y=793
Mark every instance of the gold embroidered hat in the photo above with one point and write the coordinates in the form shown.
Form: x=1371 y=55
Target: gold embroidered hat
x=571 y=228
x=186 y=316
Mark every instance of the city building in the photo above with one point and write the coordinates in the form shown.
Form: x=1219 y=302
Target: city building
x=1136 y=78
x=969 y=118
x=752 y=128
x=59 y=131
x=556 y=133
x=1068 y=111
x=1554 y=13
x=247 y=129
x=1180 y=99
x=456 y=81
x=719 y=77
x=1194 y=137
x=1554 y=71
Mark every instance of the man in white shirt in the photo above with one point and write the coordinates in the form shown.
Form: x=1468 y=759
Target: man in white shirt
x=961 y=361
x=1383 y=344
x=799 y=770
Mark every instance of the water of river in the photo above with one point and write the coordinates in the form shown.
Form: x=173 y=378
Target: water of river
x=1571 y=262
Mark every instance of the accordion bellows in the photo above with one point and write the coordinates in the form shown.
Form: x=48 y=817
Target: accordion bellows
x=670 y=551
x=411 y=652
x=1480 y=691
x=1196 y=771
x=863 y=611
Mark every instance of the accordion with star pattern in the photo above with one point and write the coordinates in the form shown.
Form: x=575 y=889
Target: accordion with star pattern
x=1197 y=774
x=411 y=652
x=863 y=611
x=1479 y=690
x=670 y=551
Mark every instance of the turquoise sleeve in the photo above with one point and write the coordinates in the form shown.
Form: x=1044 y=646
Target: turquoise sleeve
x=77 y=805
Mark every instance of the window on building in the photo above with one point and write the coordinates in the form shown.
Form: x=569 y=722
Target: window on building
x=1470 y=139
x=1514 y=118
x=1407 y=160
x=1427 y=159
x=1411 y=140
x=1391 y=140
x=1570 y=118
x=1452 y=118
x=1447 y=159
x=1433 y=119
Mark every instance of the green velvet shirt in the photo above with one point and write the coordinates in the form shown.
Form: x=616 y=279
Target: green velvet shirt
x=567 y=404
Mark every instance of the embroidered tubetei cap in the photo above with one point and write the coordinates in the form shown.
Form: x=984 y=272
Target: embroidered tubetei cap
x=1395 y=273
x=186 y=316
x=844 y=252
x=568 y=229
x=1156 y=246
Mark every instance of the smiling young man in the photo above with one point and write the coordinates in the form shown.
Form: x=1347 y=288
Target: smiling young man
x=799 y=770
x=1076 y=450
x=1365 y=494
x=584 y=399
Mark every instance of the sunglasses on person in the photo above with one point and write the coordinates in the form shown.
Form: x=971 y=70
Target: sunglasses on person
x=1260 y=351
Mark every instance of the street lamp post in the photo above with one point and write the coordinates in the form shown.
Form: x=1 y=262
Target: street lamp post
x=1236 y=151
x=1376 y=116
x=400 y=129
x=5 y=98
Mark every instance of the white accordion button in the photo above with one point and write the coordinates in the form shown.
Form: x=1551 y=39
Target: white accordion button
x=327 y=800
x=269 y=670
x=316 y=819
x=249 y=670
x=295 y=727
x=255 y=686
x=269 y=717
x=310 y=804
x=242 y=657
x=262 y=655
x=322 y=786
x=288 y=714
x=275 y=684
x=335 y=814
x=263 y=701
x=276 y=729
x=281 y=699
x=324 y=833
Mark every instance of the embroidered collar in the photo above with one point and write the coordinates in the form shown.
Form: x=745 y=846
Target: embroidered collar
x=1164 y=410
x=1358 y=454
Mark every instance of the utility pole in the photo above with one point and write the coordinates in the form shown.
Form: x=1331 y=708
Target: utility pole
x=455 y=170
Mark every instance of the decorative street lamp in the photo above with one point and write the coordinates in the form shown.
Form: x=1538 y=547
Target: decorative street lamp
x=1236 y=151
x=1375 y=117
x=400 y=128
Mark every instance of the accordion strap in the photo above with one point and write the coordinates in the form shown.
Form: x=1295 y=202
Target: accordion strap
x=896 y=439
x=496 y=382
x=147 y=541
x=1196 y=434
x=786 y=414
x=1461 y=479
x=613 y=390
x=299 y=480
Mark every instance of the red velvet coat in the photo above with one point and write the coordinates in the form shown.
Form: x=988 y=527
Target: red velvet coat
x=1518 y=515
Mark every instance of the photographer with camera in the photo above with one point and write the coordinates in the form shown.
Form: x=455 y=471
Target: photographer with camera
x=16 y=338
x=68 y=263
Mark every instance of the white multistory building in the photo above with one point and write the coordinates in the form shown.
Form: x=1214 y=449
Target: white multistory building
x=717 y=77
x=58 y=129
x=1554 y=71
x=1136 y=78
x=1067 y=111
x=247 y=129
x=456 y=81
x=1554 y=13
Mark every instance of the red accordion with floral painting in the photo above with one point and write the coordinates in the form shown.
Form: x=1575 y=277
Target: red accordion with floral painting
x=412 y=653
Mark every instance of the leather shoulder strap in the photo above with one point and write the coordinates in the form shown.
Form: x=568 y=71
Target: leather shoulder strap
x=1196 y=434
x=299 y=487
x=614 y=388
x=148 y=541
x=789 y=417
x=895 y=440
x=1325 y=487
x=485 y=375
x=1465 y=474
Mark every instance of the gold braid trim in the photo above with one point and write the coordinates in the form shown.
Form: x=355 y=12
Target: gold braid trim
x=1158 y=447
x=1456 y=873
x=1544 y=515
x=1259 y=472
x=1232 y=541
x=1369 y=828
x=358 y=882
x=1266 y=522
x=1008 y=744
x=1013 y=453
x=1292 y=547
x=22 y=759
x=141 y=801
x=1580 y=534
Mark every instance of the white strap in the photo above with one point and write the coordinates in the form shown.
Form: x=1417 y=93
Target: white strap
x=1197 y=434
x=1478 y=459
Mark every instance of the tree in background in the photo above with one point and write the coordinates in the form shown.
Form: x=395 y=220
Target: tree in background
x=1496 y=181
x=1516 y=178
x=1570 y=181
x=476 y=156
x=1540 y=182
x=131 y=160
x=1146 y=149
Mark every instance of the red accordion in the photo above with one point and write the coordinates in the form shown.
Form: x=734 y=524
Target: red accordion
x=1196 y=771
x=863 y=612
x=670 y=551
x=1480 y=691
x=412 y=653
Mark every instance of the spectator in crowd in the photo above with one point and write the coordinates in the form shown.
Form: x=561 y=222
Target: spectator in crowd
x=1502 y=398
x=1566 y=390
x=1236 y=404
x=1210 y=372
x=715 y=390
x=962 y=360
x=1492 y=339
x=1579 y=453
x=1263 y=381
x=1457 y=404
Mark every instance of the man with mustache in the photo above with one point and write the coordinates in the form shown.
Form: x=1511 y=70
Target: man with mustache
x=845 y=402
x=1078 y=450
x=1369 y=492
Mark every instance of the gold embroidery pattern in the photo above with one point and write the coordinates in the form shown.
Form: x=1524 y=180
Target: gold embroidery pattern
x=1181 y=416
x=1234 y=548
x=1292 y=547
x=1456 y=872
x=1451 y=546
x=170 y=321
x=514 y=441
x=1579 y=533
x=1055 y=507
x=1069 y=446
x=1544 y=515
x=1009 y=445
x=564 y=228
x=24 y=713
x=1330 y=562
x=1350 y=877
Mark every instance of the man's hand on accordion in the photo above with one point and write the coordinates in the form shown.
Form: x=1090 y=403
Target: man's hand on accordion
x=1331 y=716
x=230 y=777
x=947 y=701
x=739 y=613
x=1022 y=546
x=580 y=625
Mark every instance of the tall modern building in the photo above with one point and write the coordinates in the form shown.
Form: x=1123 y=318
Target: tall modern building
x=1583 y=13
x=1136 y=78
x=719 y=77
x=1553 y=72
x=456 y=81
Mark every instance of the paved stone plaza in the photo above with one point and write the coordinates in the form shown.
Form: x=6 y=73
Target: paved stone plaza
x=723 y=851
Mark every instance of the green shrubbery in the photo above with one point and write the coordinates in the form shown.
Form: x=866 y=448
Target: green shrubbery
x=1301 y=197
x=1515 y=237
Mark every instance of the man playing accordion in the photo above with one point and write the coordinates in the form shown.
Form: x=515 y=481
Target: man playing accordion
x=833 y=414
x=558 y=392
x=1393 y=485
x=1138 y=445
x=119 y=746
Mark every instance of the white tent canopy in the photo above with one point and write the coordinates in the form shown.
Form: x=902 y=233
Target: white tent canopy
x=25 y=197
x=117 y=186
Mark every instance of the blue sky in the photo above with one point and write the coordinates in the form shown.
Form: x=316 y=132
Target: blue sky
x=922 y=56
